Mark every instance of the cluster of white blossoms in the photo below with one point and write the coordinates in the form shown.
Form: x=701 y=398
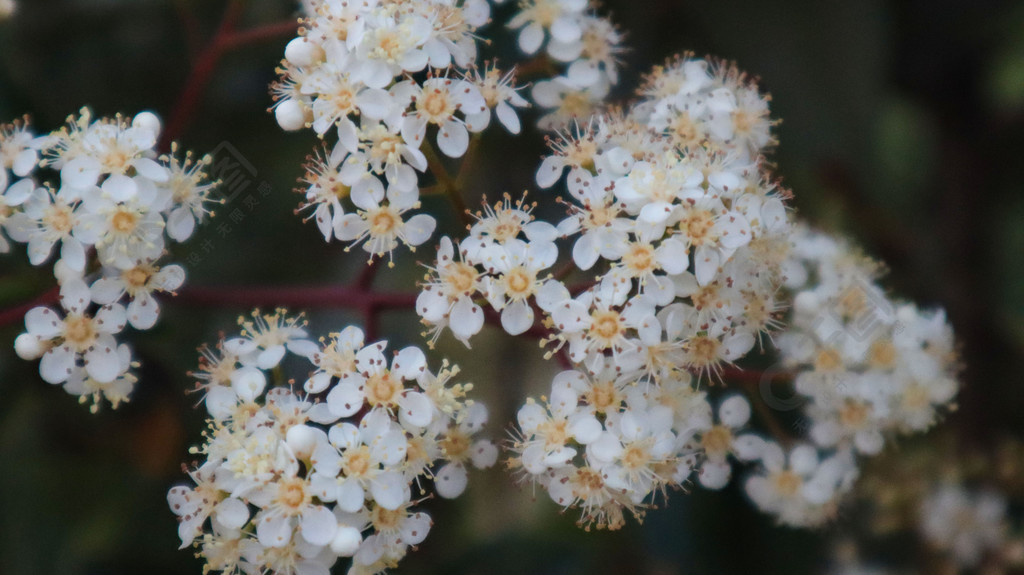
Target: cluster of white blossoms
x=294 y=479
x=865 y=368
x=967 y=525
x=114 y=207
x=868 y=366
x=686 y=240
x=587 y=48
x=389 y=77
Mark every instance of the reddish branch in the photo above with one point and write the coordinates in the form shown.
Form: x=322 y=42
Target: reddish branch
x=17 y=313
x=225 y=39
x=348 y=297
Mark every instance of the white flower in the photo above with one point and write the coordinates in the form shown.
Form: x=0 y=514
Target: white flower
x=516 y=266
x=379 y=226
x=501 y=95
x=382 y=388
x=965 y=524
x=138 y=283
x=447 y=296
x=78 y=336
x=800 y=488
x=189 y=193
x=560 y=18
x=436 y=103
x=45 y=219
x=285 y=504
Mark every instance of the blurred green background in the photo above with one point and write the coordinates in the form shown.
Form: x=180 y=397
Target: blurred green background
x=902 y=127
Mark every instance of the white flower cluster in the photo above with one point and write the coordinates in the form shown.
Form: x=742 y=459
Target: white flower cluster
x=293 y=480
x=868 y=366
x=688 y=239
x=115 y=202
x=383 y=73
x=865 y=367
x=586 y=45
x=968 y=525
x=692 y=240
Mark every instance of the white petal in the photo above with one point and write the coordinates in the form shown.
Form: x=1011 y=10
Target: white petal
x=416 y=409
x=143 y=311
x=715 y=475
x=345 y=399
x=419 y=228
x=43 y=322
x=318 y=525
x=274 y=531
x=530 y=38
x=57 y=364
x=232 y=513
x=451 y=480
x=550 y=171
x=390 y=490
x=151 y=170
x=734 y=411
x=517 y=318
x=248 y=383
x=453 y=139
x=102 y=362
x=484 y=454
x=466 y=319
x=120 y=188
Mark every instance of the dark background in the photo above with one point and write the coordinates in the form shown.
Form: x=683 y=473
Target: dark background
x=901 y=128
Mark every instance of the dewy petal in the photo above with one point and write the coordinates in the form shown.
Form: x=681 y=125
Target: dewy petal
x=451 y=480
x=318 y=525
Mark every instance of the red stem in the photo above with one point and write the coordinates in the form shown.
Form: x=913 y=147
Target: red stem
x=226 y=38
x=351 y=297
x=17 y=313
